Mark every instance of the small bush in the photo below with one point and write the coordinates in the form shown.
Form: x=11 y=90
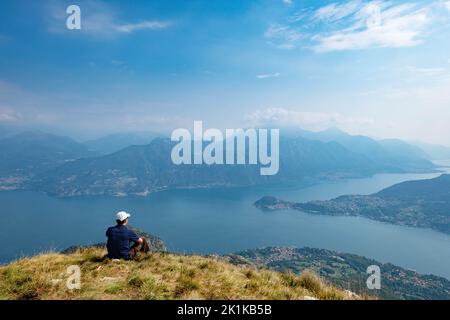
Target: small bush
x=249 y=274
x=204 y=265
x=330 y=294
x=20 y=284
x=135 y=282
x=310 y=282
x=185 y=284
x=252 y=285
x=188 y=272
x=115 y=288
x=152 y=290
x=290 y=280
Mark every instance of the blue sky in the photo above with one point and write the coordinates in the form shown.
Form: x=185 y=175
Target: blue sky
x=380 y=68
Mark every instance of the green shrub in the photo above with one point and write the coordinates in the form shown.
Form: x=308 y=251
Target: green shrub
x=310 y=282
x=185 y=284
x=152 y=290
x=135 y=282
x=115 y=288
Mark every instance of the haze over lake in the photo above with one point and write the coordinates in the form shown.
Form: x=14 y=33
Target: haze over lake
x=222 y=221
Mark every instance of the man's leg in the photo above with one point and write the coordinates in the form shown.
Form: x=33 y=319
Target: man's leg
x=133 y=252
x=143 y=247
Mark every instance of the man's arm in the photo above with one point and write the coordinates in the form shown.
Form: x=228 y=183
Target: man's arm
x=136 y=240
x=136 y=243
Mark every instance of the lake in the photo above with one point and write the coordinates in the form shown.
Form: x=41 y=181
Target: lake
x=222 y=221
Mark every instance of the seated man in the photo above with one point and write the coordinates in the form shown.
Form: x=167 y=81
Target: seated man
x=120 y=239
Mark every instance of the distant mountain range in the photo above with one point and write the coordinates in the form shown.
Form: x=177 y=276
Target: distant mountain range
x=140 y=170
x=391 y=154
x=115 y=142
x=422 y=203
x=347 y=271
x=64 y=167
x=434 y=151
x=28 y=154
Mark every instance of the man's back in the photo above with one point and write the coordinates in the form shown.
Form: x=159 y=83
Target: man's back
x=119 y=238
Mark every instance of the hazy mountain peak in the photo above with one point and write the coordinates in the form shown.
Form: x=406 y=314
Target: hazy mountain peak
x=114 y=142
x=334 y=131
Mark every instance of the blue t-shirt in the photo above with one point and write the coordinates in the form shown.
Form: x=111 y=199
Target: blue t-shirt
x=119 y=238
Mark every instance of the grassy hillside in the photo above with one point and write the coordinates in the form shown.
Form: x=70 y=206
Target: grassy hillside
x=154 y=276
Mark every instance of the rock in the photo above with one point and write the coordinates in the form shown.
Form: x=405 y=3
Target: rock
x=156 y=244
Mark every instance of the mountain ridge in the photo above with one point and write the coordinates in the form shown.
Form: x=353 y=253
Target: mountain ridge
x=30 y=153
x=144 y=169
x=141 y=170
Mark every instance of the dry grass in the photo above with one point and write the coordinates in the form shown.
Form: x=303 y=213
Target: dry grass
x=155 y=276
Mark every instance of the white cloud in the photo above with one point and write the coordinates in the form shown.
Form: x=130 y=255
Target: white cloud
x=268 y=75
x=334 y=11
x=4 y=117
x=99 y=19
x=306 y=120
x=399 y=26
x=149 y=25
x=288 y=2
x=357 y=24
x=101 y=25
x=282 y=36
x=9 y=115
x=447 y=5
x=301 y=15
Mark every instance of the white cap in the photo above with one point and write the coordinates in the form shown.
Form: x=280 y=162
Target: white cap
x=122 y=215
